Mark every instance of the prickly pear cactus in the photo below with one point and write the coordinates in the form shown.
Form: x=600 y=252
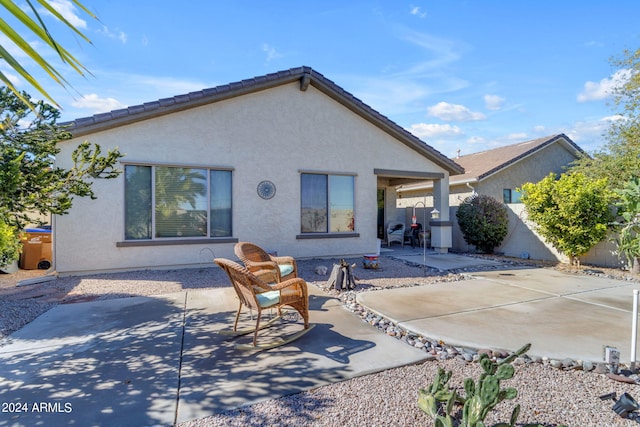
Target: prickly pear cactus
x=481 y=396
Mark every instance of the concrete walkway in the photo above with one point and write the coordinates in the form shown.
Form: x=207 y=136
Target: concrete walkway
x=157 y=361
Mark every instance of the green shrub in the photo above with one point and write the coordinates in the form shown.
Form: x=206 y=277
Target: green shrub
x=572 y=213
x=10 y=245
x=629 y=223
x=483 y=221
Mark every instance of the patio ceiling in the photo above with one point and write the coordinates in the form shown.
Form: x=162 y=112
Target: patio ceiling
x=403 y=177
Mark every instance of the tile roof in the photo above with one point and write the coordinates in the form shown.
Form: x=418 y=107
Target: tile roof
x=485 y=163
x=305 y=75
x=481 y=165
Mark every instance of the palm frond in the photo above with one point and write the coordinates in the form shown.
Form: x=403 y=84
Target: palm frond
x=38 y=28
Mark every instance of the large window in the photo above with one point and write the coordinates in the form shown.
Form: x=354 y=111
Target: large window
x=327 y=203
x=176 y=202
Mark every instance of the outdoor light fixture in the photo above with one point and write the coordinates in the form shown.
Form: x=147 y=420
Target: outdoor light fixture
x=625 y=407
x=435 y=213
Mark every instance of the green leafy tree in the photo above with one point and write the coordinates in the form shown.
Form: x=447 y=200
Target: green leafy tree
x=483 y=221
x=9 y=244
x=32 y=27
x=572 y=213
x=629 y=223
x=30 y=182
x=619 y=159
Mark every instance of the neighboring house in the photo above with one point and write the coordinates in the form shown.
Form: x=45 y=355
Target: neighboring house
x=499 y=173
x=289 y=161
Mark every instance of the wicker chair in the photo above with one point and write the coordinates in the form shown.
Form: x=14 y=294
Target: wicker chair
x=260 y=263
x=395 y=233
x=257 y=295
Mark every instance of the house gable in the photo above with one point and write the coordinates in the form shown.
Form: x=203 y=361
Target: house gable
x=480 y=166
x=303 y=76
x=507 y=161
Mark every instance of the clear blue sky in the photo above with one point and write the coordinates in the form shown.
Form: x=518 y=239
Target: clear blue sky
x=468 y=75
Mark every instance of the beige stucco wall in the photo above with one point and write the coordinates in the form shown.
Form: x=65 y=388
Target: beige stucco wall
x=269 y=135
x=522 y=241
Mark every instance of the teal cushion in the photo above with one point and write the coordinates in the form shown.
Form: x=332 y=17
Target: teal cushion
x=267 y=299
x=285 y=269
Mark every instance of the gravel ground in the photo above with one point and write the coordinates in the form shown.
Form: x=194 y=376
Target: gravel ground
x=548 y=396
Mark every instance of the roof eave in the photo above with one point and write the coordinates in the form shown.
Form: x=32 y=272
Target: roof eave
x=305 y=75
x=100 y=122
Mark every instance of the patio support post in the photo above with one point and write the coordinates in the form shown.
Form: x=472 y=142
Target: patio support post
x=441 y=228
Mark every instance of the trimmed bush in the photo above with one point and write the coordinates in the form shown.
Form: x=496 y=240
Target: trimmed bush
x=483 y=221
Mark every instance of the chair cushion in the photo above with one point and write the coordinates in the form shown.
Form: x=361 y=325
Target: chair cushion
x=285 y=269
x=267 y=299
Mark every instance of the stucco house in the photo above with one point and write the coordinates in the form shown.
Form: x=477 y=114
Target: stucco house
x=499 y=173
x=289 y=161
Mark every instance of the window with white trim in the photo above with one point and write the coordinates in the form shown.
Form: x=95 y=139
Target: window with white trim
x=168 y=202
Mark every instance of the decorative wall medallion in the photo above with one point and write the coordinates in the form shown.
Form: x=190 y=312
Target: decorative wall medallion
x=266 y=189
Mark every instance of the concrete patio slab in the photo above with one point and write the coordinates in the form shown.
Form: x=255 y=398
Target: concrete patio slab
x=443 y=261
x=617 y=297
x=440 y=299
x=95 y=363
x=562 y=315
x=550 y=281
x=215 y=377
x=160 y=360
x=555 y=327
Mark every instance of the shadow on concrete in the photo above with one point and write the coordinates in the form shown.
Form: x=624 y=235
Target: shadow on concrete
x=84 y=364
x=216 y=377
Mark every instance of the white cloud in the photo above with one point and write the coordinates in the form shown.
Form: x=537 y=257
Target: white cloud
x=443 y=52
x=593 y=43
x=596 y=91
x=405 y=86
x=119 y=35
x=163 y=86
x=454 y=112
x=518 y=136
x=431 y=130
x=95 y=104
x=493 y=102
x=589 y=134
x=416 y=11
x=613 y=118
x=68 y=11
x=476 y=140
x=271 y=52
x=13 y=78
